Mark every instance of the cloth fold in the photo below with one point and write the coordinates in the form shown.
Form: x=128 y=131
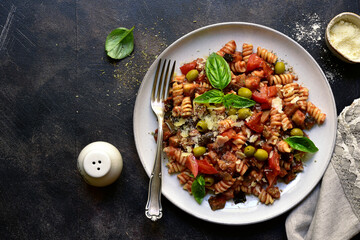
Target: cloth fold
x=332 y=209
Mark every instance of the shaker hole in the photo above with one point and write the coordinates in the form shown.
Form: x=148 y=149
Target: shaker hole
x=93 y=163
x=98 y=168
x=99 y=161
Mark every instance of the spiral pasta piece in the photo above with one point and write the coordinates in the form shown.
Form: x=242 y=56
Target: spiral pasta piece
x=177 y=93
x=265 y=197
x=229 y=48
x=275 y=119
x=179 y=78
x=258 y=73
x=241 y=167
x=281 y=79
x=290 y=91
x=186 y=107
x=223 y=185
x=266 y=55
x=239 y=139
x=303 y=97
x=225 y=124
x=205 y=85
x=247 y=51
x=188 y=184
x=189 y=88
x=255 y=189
x=175 y=167
x=175 y=154
x=238 y=67
x=283 y=146
x=285 y=122
x=184 y=177
x=315 y=112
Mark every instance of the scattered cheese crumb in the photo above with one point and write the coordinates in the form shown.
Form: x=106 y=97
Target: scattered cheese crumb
x=277 y=104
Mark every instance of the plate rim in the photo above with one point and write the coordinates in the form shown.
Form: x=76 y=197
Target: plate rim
x=204 y=28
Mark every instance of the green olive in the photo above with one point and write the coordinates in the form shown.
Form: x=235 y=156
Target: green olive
x=232 y=111
x=261 y=155
x=209 y=181
x=201 y=126
x=192 y=75
x=279 y=68
x=249 y=151
x=244 y=113
x=198 y=151
x=296 y=132
x=245 y=92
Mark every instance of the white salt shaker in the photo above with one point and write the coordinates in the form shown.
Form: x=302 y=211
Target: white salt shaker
x=100 y=164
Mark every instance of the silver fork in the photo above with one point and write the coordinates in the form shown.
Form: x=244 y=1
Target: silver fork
x=153 y=209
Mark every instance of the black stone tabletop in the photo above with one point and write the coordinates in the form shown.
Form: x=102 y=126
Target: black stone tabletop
x=59 y=92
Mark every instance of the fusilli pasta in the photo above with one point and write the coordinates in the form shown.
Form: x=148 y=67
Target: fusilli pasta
x=220 y=149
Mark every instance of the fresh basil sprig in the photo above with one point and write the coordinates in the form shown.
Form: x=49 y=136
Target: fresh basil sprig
x=120 y=43
x=218 y=71
x=212 y=96
x=198 y=189
x=235 y=101
x=219 y=75
x=300 y=143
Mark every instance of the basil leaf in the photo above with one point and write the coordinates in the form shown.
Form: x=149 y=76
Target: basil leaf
x=235 y=101
x=212 y=96
x=198 y=189
x=120 y=43
x=300 y=143
x=218 y=71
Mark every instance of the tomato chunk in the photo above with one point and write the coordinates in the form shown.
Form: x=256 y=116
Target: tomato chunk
x=192 y=164
x=274 y=161
x=272 y=91
x=274 y=167
x=187 y=67
x=264 y=96
x=252 y=82
x=298 y=118
x=229 y=133
x=266 y=68
x=254 y=123
x=205 y=167
x=266 y=105
x=259 y=97
x=254 y=62
x=270 y=176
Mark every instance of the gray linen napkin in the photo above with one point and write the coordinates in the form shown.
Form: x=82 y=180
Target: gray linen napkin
x=332 y=209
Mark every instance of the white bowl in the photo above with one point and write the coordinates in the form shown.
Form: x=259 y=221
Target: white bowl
x=345 y=16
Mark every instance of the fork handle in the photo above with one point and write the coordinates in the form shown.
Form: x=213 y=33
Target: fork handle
x=153 y=209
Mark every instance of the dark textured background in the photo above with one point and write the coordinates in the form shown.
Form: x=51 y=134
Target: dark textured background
x=59 y=92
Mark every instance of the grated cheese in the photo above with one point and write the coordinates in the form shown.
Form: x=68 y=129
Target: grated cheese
x=345 y=37
x=253 y=138
x=180 y=122
x=277 y=104
x=188 y=150
x=185 y=132
x=295 y=100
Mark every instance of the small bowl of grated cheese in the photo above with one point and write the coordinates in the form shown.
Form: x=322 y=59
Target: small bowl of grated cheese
x=343 y=37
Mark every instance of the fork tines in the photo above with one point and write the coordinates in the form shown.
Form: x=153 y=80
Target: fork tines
x=161 y=83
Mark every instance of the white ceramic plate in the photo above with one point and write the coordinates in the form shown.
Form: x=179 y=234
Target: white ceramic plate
x=202 y=42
